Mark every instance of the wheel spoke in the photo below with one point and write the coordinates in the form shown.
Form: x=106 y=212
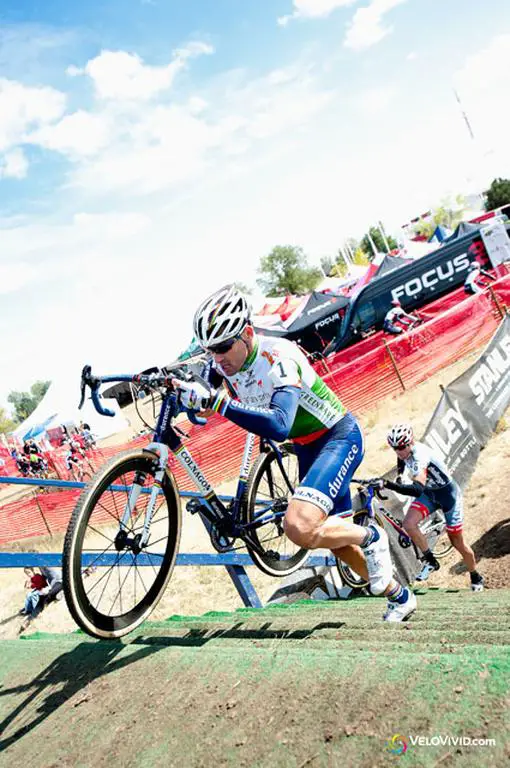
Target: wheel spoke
x=118 y=588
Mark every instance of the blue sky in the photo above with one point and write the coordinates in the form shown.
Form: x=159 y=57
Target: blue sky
x=152 y=150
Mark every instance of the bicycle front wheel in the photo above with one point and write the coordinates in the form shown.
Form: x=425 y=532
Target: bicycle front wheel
x=267 y=493
x=434 y=529
x=112 y=582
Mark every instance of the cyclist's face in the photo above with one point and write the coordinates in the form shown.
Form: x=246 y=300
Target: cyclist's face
x=232 y=361
x=403 y=453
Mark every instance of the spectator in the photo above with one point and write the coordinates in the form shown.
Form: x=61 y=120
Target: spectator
x=36 y=583
x=89 y=440
x=397 y=320
x=53 y=578
x=474 y=282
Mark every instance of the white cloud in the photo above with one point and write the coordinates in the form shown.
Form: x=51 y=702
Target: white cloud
x=160 y=145
x=123 y=76
x=23 y=108
x=239 y=165
x=366 y=28
x=110 y=225
x=376 y=99
x=483 y=85
x=81 y=133
x=13 y=277
x=14 y=165
x=313 y=9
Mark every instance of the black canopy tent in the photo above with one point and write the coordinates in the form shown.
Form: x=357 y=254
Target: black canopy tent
x=388 y=264
x=317 y=323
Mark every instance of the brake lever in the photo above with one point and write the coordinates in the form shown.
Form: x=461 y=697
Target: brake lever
x=85 y=375
x=94 y=384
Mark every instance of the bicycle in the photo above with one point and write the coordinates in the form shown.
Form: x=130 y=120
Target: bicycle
x=133 y=503
x=433 y=527
x=79 y=472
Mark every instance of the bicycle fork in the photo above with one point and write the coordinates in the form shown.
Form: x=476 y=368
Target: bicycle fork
x=140 y=540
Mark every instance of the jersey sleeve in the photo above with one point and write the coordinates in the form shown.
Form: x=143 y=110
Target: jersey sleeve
x=273 y=422
x=285 y=373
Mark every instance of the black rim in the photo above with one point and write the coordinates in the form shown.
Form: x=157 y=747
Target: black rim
x=270 y=485
x=114 y=596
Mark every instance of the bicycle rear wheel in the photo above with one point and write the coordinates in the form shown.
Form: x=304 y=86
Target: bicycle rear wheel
x=268 y=491
x=111 y=583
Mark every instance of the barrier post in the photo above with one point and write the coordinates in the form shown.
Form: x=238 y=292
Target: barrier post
x=394 y=362
x=496 y=301
x=36 y=496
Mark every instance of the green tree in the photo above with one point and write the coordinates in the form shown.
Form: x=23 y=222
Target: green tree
x=285 y=270
x=376 y=235
x=339 y=269
x=6 y=424
x=498 y=194
x=26 y=402
x=360 y=258
x=327 y=264
x=243 y=288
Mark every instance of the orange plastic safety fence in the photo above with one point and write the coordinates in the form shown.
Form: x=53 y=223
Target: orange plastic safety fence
x=361 y=375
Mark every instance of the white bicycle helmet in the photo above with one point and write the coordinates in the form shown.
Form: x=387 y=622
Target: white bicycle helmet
x=221 y=317
x=400 y=436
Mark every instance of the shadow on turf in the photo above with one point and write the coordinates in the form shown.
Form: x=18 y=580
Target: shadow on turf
x=56 y=684
x=493 y=544
x=74 y=670
x=197 y=637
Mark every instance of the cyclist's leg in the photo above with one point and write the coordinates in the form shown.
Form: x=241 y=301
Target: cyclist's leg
x=420 y=508
x=327 y=468
x=325 y=490
x=454 y=517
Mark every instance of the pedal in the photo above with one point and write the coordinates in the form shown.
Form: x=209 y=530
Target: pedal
x=193 y=506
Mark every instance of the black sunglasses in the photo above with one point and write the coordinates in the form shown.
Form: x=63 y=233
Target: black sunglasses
x=222 y=347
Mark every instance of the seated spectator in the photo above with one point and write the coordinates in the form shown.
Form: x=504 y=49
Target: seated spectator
x=397 y=320
x=476 y=279
x=53 y=577
x=36 y=583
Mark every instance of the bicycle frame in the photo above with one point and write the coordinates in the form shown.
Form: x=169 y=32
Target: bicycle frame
x=371 y=500
x=369 y=506
x=166 y=439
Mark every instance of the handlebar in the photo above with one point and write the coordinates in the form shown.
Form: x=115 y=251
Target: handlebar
x=152 y=380
x=370 y=484
x=87 y=379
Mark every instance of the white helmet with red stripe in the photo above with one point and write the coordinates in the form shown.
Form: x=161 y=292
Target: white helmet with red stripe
x=400 y=436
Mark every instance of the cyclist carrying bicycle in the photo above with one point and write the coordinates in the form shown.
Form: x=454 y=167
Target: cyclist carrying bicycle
x=267 y=386
x=433 y=487
x=74 y=455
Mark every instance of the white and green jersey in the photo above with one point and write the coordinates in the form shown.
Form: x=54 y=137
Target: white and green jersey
x=276 y=363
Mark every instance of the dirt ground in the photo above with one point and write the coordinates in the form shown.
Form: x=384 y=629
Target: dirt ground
x=193 y=591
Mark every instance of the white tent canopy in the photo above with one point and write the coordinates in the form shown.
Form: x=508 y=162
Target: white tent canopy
x=60 y=406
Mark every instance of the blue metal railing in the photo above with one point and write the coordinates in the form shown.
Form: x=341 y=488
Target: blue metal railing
x=234 y=562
